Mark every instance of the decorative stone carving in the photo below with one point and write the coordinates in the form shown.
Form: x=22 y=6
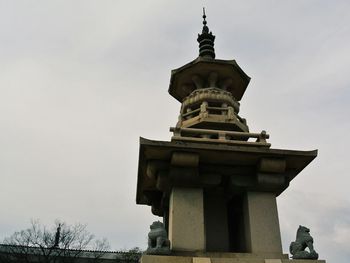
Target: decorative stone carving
x=211 y=94
x=303 y=240
x=211 y=108
x=158 y=242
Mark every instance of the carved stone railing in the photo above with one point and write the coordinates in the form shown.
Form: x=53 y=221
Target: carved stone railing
x=220 y=136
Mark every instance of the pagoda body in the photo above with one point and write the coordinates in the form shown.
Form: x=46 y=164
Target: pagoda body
x=215 y=183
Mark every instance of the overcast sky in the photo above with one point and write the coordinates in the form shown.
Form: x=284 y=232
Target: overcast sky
x=81 y=81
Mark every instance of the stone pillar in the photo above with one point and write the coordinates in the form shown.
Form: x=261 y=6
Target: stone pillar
x=262 y=231
x=186 y=220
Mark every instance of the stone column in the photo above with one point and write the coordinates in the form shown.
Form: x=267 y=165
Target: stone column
x=186 y=220
x=262 y=231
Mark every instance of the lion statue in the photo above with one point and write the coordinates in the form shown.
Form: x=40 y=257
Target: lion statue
x=303 y=240
x=158 y=242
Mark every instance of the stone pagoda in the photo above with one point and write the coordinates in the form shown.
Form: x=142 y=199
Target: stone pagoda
x=215 y=183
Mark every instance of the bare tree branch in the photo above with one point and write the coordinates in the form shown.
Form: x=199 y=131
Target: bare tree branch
x=40 y=243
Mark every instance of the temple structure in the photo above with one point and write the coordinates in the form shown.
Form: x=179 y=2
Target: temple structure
x=215 y=183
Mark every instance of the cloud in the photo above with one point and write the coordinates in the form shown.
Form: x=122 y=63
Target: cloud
x=81 y=81
x=327 y=216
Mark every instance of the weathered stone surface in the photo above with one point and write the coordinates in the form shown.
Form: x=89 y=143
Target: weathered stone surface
x=237 y=161
x=158 y=242
x=261 y=222
x=224 y=258
x=303 y=240
x=164 y=259
x=184 y=159
x=271 y=181
x=182 y=83
x=186 y=220
x=211 y=108
x=273 y=261
x=215 y=184
x=201 y=260
x=269 y=165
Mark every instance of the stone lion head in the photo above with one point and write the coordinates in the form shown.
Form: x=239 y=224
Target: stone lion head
x=156 y=225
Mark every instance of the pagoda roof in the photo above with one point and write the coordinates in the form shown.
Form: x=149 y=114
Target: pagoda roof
x=181 y=84
x=240 y=159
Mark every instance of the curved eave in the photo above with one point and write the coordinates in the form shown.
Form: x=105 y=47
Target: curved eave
x=224 y=155
x=215 y=63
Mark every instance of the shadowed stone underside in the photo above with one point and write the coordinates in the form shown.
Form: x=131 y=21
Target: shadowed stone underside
x=164 y=165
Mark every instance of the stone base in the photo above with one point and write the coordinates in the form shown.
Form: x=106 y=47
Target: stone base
x=224 y=258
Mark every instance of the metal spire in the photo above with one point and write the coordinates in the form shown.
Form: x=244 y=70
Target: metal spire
x=206 y=40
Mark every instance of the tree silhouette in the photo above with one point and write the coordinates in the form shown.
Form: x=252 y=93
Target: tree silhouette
x=62 y=243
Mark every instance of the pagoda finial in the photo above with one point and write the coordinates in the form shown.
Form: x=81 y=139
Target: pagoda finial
x=206 y=40
x=204 y=17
